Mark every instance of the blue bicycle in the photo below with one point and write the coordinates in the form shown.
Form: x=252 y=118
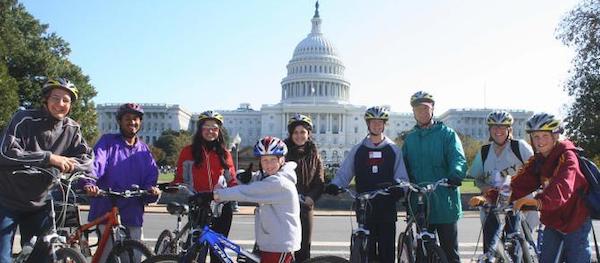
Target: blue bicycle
x=205 y=239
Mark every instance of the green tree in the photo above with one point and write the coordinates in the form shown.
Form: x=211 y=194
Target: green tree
x=580 y=30
x=470 y=146
x=8 y=96
x=171 y=142
x=30 y=55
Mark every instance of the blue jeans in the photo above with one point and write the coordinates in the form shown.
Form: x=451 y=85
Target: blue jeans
x=32 y=223
x=575 y=245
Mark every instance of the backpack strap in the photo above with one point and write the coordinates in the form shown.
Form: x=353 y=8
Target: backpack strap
x=514 y=146
x=485 y=149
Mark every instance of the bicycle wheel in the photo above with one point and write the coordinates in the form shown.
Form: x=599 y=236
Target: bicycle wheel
x=435 y=254
x=359 y=248
x=70 y=255
x=129 y=251
x=326 y=259
x=163 y=259
x=164 y=243
x=197 y=253
x=405 y=249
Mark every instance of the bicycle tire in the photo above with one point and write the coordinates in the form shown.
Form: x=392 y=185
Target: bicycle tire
x=326 y=259
x=197 y=253
x=405 y=252
x=164 y=243
x=127 y=250
x=163 y=259
x=359 y=248
x=435 y=254
x=71 y=255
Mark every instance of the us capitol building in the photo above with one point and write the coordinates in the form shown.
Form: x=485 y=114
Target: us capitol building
x=315 y=86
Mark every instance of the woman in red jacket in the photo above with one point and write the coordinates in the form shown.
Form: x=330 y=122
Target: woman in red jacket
x=555 y=168
x=206 y=163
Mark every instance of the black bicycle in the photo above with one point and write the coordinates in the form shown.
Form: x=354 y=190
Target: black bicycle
x=416 y=243
x=52 y=244
x=359 y=240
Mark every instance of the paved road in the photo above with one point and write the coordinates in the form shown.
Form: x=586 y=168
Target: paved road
x=330 y=237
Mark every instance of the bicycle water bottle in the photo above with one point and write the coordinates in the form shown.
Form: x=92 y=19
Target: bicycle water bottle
x=26 y=250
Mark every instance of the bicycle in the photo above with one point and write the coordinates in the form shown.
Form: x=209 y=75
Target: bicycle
x=52 y=243
x=172 y=242
x=359 y=240
x=204 y=238
x=123 y=246
x=416 y=243
x=516 y=244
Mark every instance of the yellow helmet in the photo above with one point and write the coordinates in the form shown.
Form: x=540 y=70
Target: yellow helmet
x=500 y=117
x=60 y=83
x=211 y=115
x=421 y=96
x=544 y=122
x=299 y=118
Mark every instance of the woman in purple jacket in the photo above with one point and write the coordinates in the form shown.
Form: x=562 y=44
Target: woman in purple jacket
x=123 y=160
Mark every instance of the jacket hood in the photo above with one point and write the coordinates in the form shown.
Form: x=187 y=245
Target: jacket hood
x=560 y=148
x=287 y=171
x=369 y=144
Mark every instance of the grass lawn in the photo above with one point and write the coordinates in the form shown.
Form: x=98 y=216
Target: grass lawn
x=468 y=187
x=165 y=177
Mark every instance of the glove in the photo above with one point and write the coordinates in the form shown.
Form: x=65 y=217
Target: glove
x=245 y=176
x=168 y=188
x=332 y=189
x=455 y=181
x=527 y=202
x=396 y=192
x=477 y=200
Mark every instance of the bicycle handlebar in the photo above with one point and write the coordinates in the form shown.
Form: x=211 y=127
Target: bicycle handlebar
x=124 y=194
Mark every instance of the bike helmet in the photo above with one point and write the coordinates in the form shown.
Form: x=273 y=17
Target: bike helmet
x=211 y=115
x=543 y=122
x=270 y=146
x=130 y=108
x=299 y=119
x=420 y=97
x=500 y=117
x=377 y=113
x=60 y=83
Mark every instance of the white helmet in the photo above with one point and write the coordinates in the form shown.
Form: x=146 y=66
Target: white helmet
x=270 y=146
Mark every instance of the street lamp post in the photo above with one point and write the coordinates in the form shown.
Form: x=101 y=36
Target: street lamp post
x=236 y=143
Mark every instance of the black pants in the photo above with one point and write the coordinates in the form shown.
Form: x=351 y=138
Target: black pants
x=448 y=237
x=382 y=239
x=306 y=220
x=222 y=225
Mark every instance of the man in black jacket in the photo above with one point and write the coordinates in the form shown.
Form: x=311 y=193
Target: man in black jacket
x=38 y=138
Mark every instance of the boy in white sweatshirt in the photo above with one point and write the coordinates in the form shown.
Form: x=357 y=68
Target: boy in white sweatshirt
x=277 y=227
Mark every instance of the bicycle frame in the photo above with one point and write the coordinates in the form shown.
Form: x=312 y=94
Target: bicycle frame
x=518 y=235
x=217 y=243
x=111 y=219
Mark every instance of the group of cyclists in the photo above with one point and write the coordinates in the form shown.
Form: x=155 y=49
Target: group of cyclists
x=290 y=178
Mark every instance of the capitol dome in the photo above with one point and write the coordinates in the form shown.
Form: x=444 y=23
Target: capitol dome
x=315 y=74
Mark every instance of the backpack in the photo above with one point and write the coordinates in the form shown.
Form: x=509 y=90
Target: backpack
x=514 y=146
x=592 y=176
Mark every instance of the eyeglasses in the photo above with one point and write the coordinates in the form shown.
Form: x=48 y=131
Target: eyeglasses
x=58 y=99
x=210 y=128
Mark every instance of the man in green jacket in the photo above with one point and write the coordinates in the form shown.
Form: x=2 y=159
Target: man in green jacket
x=433 y=151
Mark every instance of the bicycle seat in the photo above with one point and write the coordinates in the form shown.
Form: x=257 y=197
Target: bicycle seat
x=175 y=208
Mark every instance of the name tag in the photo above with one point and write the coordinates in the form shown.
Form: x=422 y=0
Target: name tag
x=375 y=169
x=374 y=155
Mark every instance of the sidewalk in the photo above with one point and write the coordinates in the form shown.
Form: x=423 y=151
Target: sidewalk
x=249 y=210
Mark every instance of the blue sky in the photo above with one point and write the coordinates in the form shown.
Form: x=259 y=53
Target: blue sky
x=217 y=54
